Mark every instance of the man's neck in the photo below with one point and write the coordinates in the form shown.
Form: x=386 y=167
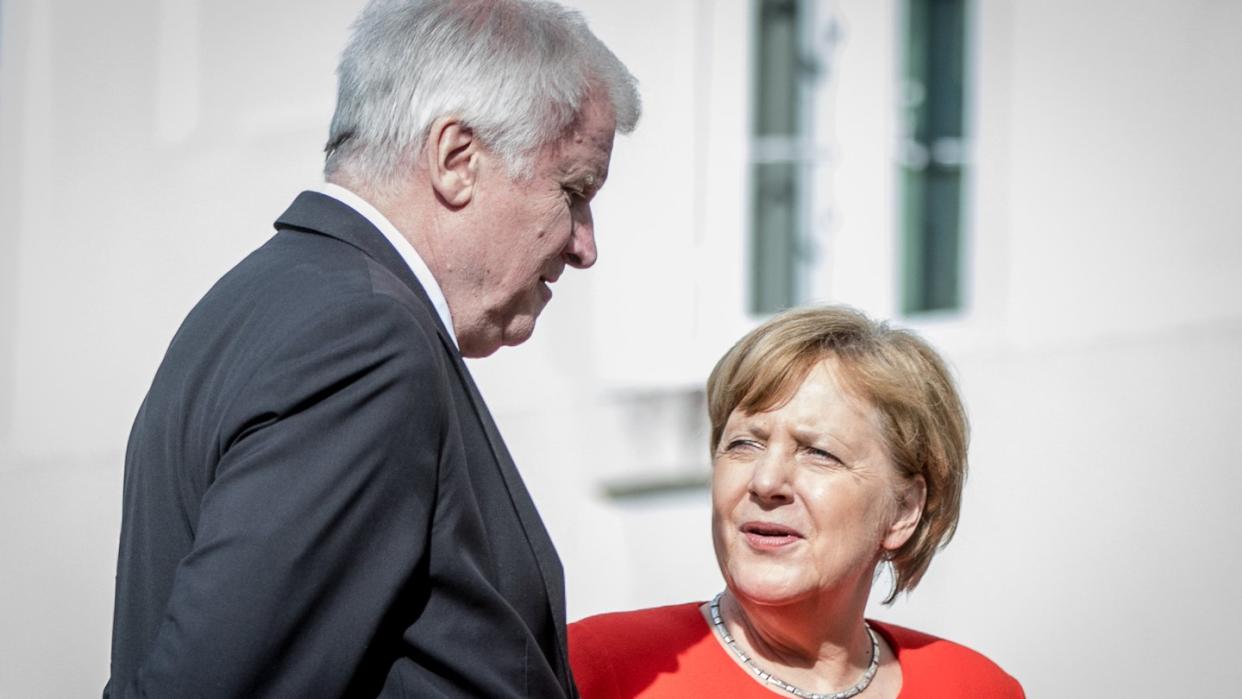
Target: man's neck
x=413 y=235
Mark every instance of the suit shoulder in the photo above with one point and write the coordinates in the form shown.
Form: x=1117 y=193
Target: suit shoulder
x=305 y=264
x=296 y=279
x=931 y=663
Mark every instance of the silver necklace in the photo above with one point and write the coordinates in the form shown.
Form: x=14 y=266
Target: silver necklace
x=769 y=678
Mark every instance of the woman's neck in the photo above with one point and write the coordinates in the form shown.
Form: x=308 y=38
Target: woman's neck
x=819 y=644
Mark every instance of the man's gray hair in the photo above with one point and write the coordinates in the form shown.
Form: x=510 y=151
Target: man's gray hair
x=516 y=72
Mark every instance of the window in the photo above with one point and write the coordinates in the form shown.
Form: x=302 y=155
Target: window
x=779 y=153
x=793 y=259
x=932 y=155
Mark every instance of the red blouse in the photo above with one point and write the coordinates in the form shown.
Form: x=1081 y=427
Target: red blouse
x=672 y=652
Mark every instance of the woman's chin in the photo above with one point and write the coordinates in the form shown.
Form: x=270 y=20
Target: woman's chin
x=770 y=591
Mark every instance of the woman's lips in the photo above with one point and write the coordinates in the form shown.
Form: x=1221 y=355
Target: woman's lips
x=769 y=536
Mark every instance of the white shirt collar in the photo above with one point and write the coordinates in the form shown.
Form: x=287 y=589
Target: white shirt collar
x=398 y=241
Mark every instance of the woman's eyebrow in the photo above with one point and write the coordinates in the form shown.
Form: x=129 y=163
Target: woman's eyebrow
x=811 y=435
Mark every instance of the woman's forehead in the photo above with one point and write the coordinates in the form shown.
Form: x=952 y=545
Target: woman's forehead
x=823 y=392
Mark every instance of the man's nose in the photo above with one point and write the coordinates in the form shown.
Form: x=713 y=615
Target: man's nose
x=580 y=252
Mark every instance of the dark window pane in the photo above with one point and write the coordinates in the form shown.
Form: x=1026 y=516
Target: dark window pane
x=777 y=69
x=932 y=239
x=778 y=133
x=774 y=236
x=932 y=167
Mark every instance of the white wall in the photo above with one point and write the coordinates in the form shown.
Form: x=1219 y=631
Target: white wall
x=146 y=145
x=1097 y=533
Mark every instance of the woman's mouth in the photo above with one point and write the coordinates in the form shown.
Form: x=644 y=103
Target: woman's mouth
x=769 y=536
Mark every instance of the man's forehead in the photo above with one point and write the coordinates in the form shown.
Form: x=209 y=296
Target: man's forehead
x=592 y=168
x=594 y=127
x=585 y=148
x=586 y=156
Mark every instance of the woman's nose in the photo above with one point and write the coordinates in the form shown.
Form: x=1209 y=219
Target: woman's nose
x=770 y=479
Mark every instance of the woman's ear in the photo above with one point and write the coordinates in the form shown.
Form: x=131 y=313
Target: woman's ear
x=910 y=501
x=452 y=157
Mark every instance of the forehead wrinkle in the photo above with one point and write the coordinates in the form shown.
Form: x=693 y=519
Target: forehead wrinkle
x=753 y=423
x=806 y=434
x=827 y=418
x=845 y=376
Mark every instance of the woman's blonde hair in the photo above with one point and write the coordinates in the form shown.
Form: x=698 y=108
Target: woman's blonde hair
x=922 y=420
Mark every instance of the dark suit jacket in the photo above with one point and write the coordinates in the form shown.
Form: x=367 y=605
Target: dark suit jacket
x=317 y=502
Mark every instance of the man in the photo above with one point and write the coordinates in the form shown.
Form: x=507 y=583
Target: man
x=317 y=502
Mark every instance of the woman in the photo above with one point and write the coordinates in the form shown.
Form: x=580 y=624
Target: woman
x=838 y=445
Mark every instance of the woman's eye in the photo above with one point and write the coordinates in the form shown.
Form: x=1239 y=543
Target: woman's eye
x=822 y=454
x=739 y=445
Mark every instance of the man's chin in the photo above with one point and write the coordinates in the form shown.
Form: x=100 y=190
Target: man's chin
x=519 y=330
x=500 y=331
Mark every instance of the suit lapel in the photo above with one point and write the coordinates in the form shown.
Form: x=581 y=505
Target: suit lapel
x=318 y=213
x=536 y=534
x=532 y=524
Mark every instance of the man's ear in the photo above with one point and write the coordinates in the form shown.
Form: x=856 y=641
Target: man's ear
x=452 y=153
x=909 y=511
